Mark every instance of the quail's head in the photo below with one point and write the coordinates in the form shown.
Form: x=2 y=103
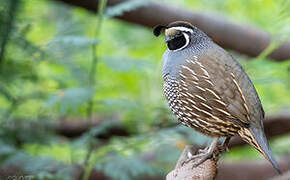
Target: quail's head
x=180 y=35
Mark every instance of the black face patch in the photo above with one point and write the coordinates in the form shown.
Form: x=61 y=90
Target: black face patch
x=176 y=43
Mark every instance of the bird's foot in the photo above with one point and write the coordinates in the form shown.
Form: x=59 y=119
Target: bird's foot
x=225 y=146
x=209 y=152
x=203 y=151
x=222 y=149
x=213 y=151
x=192 y=157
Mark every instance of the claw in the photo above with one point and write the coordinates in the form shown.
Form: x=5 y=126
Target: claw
x=192 y=158
x=212 y=151
x=225 y=145
x=204 y=155
x=201 y=160
x=203 y=151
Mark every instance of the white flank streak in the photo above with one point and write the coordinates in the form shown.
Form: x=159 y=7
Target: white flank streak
x=185 y=102
x=216 y=118
x=203 y=121
x=209 y=82
x=206 y=113
x=200 y=88
x=246 y=107
x=190 y=100
x=196 y=83
x=194 y=125
x=194 y=114
x=199 y=64
x=205 y=72
x=185 y=67
x=190 y=95
x=192 y=62
x=185 y=88
x=183 y=82
x=194 y=77
x=219 y=101
x=205 y=77
x=220 y=110
x=188 y=108
x=196 y=108
x=200 y=97
x=239 y=89
x=241 y=93
x=213 y=93
x=182 y=75
x=205 y=105
x=184 y=94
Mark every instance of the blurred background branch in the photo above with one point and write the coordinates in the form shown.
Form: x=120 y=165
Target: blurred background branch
x=255 y=170
x=241 y=38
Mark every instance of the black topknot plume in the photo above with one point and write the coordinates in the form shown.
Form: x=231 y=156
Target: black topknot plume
x=158 y=29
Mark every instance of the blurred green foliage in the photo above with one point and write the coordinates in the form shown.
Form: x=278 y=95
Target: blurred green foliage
x=66 y=63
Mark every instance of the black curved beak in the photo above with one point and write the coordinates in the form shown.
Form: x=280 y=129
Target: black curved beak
x=168 y=38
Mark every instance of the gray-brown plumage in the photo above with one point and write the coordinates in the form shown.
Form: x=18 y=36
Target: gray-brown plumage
x=208 y=90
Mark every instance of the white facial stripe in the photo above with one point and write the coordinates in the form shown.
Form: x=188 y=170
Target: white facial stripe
x=182 y=29
x=187 y=42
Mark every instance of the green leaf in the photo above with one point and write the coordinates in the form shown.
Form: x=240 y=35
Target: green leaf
x=125 y=6
x=126 y=64
x=73 y=41
x=126 y=168
x=70 y=98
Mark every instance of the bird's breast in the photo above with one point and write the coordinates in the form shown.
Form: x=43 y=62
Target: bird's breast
x=195 y=103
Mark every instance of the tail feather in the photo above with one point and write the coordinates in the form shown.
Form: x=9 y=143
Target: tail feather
x=257 y=139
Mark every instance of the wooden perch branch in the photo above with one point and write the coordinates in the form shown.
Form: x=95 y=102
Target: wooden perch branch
x=241 y=38
x=206 y=170
x=72 y=129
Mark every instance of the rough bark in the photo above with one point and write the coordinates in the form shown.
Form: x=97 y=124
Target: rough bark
x=241 y=38
x=207 y=170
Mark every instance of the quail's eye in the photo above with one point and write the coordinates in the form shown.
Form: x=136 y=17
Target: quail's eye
x=177 y=42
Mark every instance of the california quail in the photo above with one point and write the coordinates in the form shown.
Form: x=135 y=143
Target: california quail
x=208 y=90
